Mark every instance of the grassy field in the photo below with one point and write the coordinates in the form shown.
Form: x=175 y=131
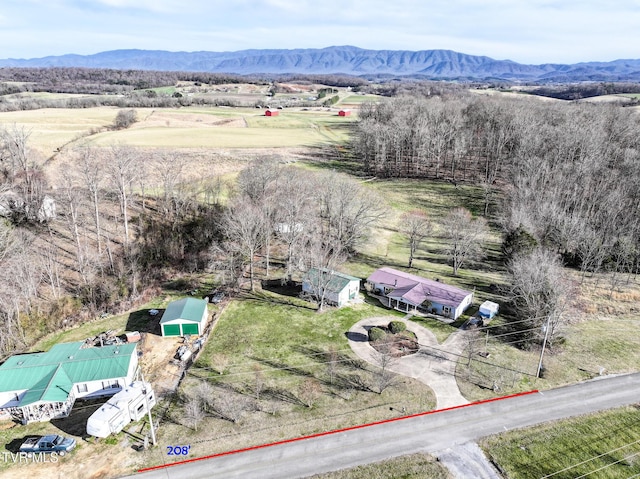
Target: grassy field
x=603 y=446
x=210 y=138
x=388 y=247
x=283 y=343
x=359 y=99
x=52 y=128
x=207 y=128
x=415 y=466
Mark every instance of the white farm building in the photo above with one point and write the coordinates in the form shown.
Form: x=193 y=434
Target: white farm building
x=338 y=288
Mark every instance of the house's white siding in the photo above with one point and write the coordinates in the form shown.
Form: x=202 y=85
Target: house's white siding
x=463 y=306
x=104 y=387
x=339 y=298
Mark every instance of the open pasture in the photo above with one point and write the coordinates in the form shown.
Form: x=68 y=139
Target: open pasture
x=229 y=128
x=52 y=128
x=216 y=127
x=605 y=446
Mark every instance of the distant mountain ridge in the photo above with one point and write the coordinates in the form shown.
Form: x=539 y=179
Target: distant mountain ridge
x=436 y=64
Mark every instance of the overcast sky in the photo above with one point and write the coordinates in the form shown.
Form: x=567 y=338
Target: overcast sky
x=526 y=31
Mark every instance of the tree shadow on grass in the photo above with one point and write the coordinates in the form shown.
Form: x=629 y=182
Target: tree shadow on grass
x=283 y=367
x=283 y=287
x=352 y=381
x=324 y=356
x=282 y=395
x=376 y=261
x=260 y=297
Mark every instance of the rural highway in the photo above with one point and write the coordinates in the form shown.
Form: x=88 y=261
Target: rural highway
x=427 y=433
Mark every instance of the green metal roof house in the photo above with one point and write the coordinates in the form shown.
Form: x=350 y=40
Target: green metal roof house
x=339 y=288
x=185 y=316
x=44 y=386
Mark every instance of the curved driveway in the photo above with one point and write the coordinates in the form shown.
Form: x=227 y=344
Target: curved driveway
x=433 y=367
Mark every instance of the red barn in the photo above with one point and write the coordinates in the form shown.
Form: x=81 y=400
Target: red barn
x=271 y=113
x=344 y=113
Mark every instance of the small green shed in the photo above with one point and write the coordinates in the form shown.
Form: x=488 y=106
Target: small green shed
x=184 y=316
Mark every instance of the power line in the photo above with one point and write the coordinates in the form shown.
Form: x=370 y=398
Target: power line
x=608 y=465
x=591 y=459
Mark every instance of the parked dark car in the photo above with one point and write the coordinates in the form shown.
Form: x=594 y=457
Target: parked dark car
x=214 y=297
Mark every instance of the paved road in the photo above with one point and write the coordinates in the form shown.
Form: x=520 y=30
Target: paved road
x=420 y=434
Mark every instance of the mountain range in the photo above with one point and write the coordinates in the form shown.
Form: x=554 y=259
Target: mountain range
x=433 y=64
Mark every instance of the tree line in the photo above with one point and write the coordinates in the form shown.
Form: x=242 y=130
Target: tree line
x=312 y=220
x=125 y=218
x=100 y=81
x=564 y=177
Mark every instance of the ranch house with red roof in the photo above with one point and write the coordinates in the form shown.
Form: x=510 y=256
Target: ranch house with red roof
x=410 y=293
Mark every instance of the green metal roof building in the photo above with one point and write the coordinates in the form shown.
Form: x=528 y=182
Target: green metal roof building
x=185 y=316
x=43 y=386
x=337 y=288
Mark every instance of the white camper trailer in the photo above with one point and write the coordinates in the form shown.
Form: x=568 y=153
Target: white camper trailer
x=128 y=405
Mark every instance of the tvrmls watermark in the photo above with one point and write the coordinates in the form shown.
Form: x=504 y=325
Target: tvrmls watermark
x=30 y=457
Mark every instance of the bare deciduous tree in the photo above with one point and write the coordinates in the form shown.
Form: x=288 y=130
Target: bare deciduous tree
x=21 y=168
x=92 y=171
x=416 y=227
x=51 y=268
x=204 y=392
x=538 y=291
x=220 y=362
x=309 y=392
x=332 y=359
x=322 y=258
x=231 y=406
x=170 y=170
x=244 y=226
x=465 y=237
x=194 y=412
x=20 y=278
x=256 y=182
x=347 y=209
x=258 y=381
x=384 y=359
x=123 y=168
x=75 y=222
x=125 y=118
x=295 y=211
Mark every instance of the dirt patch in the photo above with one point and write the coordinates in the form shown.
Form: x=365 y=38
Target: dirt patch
x=296 y=88
x=157 y=362
x=169 y=119
x=397 y=345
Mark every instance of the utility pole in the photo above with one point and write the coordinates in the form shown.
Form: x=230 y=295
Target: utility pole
x=146 y=403
x=544 y=344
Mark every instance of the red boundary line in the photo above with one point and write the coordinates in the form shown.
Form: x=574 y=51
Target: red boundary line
x=335 y=431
